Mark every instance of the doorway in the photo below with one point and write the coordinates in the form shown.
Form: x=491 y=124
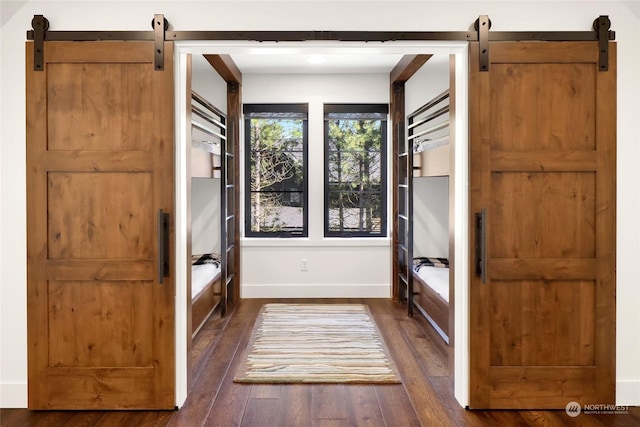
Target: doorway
x=459 y=52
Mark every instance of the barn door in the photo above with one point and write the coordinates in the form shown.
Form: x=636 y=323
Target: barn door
x=100 y=197
x=543 y=198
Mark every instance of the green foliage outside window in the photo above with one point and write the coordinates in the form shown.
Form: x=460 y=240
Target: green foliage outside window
x=355 y=168
x=276 y=178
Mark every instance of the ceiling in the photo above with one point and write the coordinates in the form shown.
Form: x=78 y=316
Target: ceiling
x=297 y=63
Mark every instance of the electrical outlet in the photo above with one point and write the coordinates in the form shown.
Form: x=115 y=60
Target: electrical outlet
x=304 y=264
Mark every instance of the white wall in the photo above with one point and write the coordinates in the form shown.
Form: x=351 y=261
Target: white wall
x=205 y=190
x=430 y=194
x=430 y=80
x=431 y=216
x=336 y=267
x=205 y=215
x=207 y=83
x=310 y=15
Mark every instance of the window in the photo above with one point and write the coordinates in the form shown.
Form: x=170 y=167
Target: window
x=276 y=170
x=355 y=170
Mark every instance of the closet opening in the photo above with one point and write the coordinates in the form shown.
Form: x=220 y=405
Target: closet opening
x=208 y=195
x=430 y=140
x=196 y=51
x=208 y=139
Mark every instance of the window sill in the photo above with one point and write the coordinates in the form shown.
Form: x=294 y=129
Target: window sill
x=327 y=242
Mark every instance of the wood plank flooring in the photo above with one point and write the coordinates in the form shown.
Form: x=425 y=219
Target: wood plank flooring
x=424 y=399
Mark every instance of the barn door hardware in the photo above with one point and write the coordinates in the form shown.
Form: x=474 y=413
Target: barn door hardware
x=39 y=34
x=160 y=25
x=163 y=245
x=482 y=26
x=481 y=34
x=602 y=34
x=40 y=24
x=481 y=245
x=602 y=25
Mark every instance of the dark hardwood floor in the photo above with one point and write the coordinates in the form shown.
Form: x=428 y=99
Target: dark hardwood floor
x=424 y=399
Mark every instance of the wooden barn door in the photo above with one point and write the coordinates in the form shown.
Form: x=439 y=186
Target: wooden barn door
x=100 y=197
x=543 y=174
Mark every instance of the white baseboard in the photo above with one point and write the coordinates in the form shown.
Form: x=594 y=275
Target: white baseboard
x=628 y=393
x=13 y=395
x=316 y=291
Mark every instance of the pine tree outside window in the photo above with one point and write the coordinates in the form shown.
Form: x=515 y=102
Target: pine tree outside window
x=355 y=170
x=276 y=184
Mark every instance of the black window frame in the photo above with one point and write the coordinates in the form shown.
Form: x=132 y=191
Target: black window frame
x=382 y=112
x=295 y=109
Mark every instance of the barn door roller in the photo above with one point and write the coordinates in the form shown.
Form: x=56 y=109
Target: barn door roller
x=40 y=33
x=602 y=25
x=160 y=25
x=601 y=33
x=482 y=26
x=40 y=24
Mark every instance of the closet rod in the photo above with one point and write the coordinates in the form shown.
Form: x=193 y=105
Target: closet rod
x=429 y=130
x=439 y=98
x=208 y=113
x=210 y=119
x=430 y=144
x=208 y=131
x=209 y=106
x=430 y=117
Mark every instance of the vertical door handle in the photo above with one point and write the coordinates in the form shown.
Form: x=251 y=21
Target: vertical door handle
x=481 y=245
x=163 y=245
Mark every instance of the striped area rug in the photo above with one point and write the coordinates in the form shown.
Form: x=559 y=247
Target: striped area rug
x=316 y=343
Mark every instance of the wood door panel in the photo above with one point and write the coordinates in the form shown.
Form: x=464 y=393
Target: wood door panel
x=113 y=52
x=101 y=216
x=543 y=160
x=531 y=387
x=550 y=105
x=554 y=212
x=120 y=332
x=542 y=167
x=65 y=388
x=542 y=323
x=543 y=269
x=551 y=53
x=85 y=161
x=100 y=161
x=83 y=269
x=90 y=106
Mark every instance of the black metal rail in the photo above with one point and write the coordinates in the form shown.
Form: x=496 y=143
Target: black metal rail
x=601 y=32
